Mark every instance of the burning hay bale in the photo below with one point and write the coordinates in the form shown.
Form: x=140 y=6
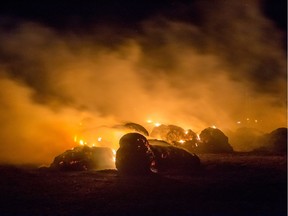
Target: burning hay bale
x=213 y=140
x=83 y=158
x=138 y=156
x=169 y=133
x=177 y=136
x=173 y=134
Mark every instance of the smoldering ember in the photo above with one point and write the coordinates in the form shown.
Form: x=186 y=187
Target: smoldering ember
x=143 y=107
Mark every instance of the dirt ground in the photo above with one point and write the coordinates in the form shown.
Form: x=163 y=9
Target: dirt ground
x=229 y=184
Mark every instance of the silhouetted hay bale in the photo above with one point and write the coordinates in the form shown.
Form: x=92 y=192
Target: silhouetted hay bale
x=173 y=159
x=213 y=140
x=278 y=140
x=134 y=155
x=274 y=142
x=138 y=156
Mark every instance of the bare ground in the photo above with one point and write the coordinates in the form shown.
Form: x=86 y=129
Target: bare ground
x=229 y=184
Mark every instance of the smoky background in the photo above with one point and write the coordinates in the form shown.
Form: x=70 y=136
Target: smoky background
x=227 y=68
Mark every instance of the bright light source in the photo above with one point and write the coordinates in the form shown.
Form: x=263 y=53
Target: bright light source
x=213 y=126
x=114 y=151
x=81 y=142
x=114 y=155
x=99 y=139
x=149 y=121
x=157 y=124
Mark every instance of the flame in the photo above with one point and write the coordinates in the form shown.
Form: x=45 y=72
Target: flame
x=81 y=142
x=186 y=132
x=181 y=141
x=114 y=155
x=99 y=139
x=213 y=126
x=149 y=121
x=114 y=151
x=198 y=137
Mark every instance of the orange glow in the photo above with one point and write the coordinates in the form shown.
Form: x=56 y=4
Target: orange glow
x=114 y=155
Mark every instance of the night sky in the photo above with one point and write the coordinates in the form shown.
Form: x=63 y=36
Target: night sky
x=84 y=14
x=100 y=63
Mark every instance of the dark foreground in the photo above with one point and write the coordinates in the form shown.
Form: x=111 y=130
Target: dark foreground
x=233 y=184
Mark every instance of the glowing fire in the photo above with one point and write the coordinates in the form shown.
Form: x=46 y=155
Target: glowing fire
x=114 y=155
x=157 y=124
x=181 y=141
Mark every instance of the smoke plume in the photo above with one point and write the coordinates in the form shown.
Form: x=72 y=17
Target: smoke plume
x=228 y=69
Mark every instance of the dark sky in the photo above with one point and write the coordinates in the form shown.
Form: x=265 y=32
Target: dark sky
x=83 y=14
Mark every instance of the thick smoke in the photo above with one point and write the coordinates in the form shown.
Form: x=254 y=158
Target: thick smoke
x=227 y=69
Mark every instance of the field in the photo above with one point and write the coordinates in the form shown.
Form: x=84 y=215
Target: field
x=229 y=184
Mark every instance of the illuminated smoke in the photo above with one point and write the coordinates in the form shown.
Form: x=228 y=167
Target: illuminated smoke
x=226 y=68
